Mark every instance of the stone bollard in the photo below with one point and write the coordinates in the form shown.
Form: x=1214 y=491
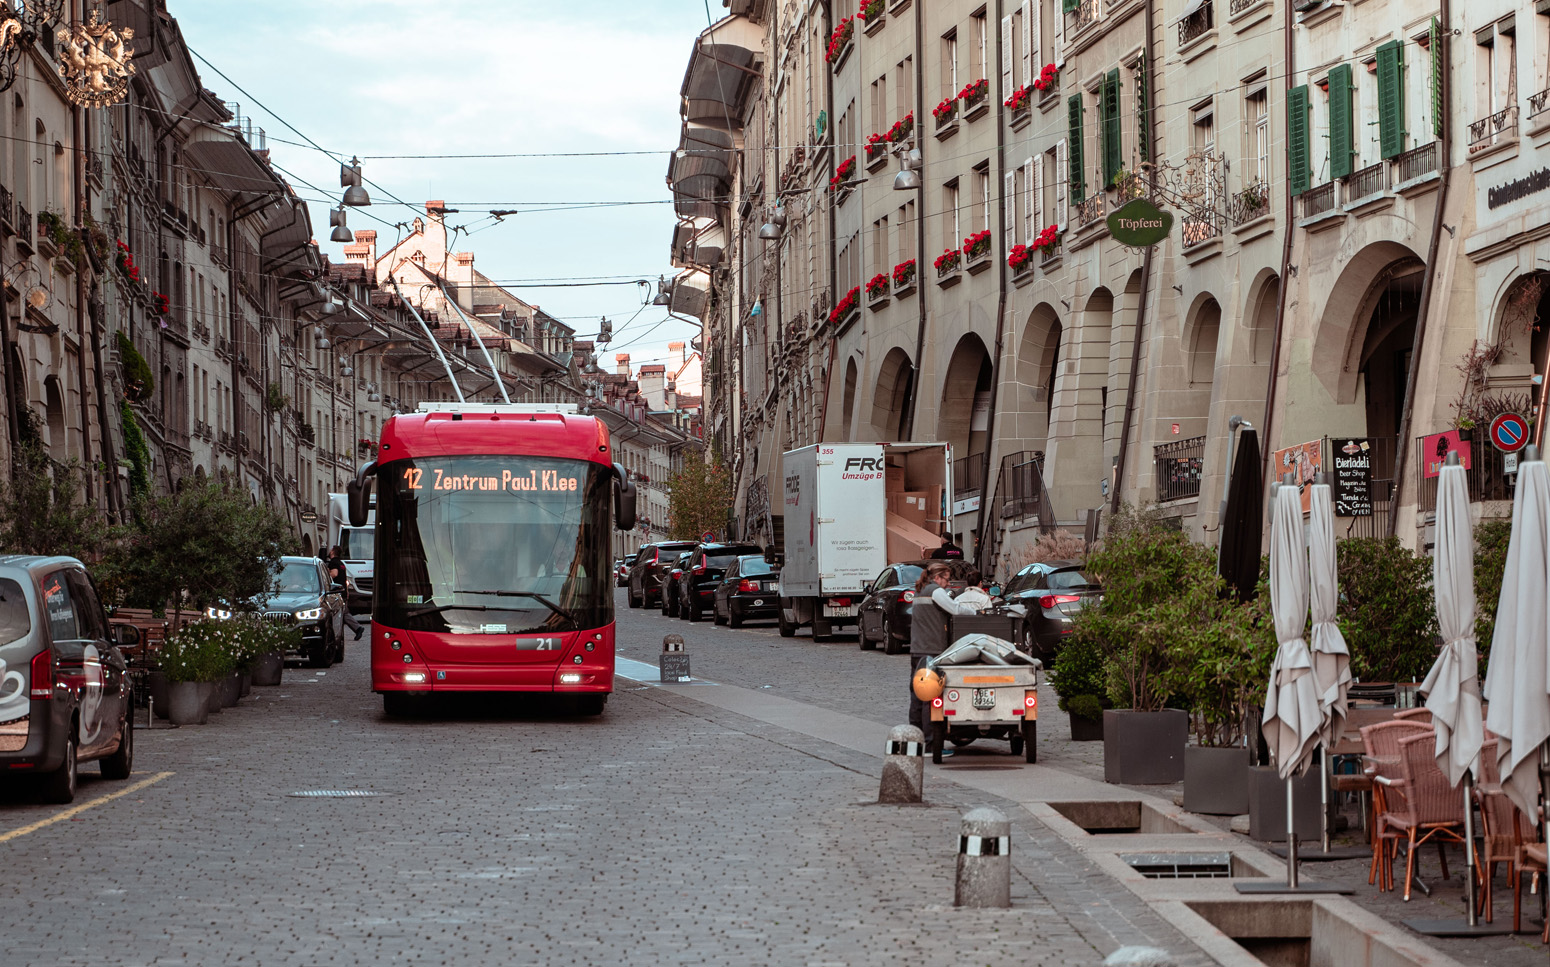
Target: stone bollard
x=1140 y=957
x=904 y=765
x=984 y=860
x=674 y=666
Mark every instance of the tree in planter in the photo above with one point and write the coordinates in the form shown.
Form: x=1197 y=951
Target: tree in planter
x=204 y=545
x=1080 y=679
x=42 y=510
x=1221 y=657
x=1386 y=609
x=1491 y=538
x=698 y=498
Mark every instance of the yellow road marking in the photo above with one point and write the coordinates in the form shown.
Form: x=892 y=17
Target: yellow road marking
x=76 y=810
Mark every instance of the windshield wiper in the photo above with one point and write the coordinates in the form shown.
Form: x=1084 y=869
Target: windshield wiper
x=526 y=594
x=437 y=609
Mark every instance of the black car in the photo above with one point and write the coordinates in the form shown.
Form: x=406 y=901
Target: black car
x=650 y=569
x=702 y=572
x=750 y=588
x=303 y=599
x=671 y=596
x=885 y=611
x=1053 y=592
x=65 y=695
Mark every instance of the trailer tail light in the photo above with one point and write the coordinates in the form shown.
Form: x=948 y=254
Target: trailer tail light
x=43 y=674
x=839 y=602
x=1050 y=600
x=936 y=702
x=746 y=586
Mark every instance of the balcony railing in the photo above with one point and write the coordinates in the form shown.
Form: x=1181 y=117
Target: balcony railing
x=1086 y=15
x=1178 y=468
x=1488 y=477
x=24 y=224
x=1250 y=203
x=1022 y=483
x=1370 y=180
x=1317 y=201
x=1089 y=211
x=1416 y=162
x=1238 y=6
x=1490 y=130
x=1201 y=228
x=1050 y=253
x=7 y=206
x=1196 y=24
x=1538 y=102
x=968 y=476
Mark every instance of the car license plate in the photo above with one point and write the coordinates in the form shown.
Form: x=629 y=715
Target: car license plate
x=844 y=611
x=984 y=698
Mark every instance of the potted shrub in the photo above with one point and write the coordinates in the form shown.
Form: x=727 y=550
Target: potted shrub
x=1146 y=569
x=1079 y=680
x=1221 y=664
x=947 y=262
x=267 y=665
x=192 y=659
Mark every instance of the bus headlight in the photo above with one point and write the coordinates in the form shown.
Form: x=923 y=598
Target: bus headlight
x=311 y=614
x=414 y=678
x=570 y=678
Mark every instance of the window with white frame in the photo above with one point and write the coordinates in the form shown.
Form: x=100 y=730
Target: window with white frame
x=952 y=233
x=1256 y=119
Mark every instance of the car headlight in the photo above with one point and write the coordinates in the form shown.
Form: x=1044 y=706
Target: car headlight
x=311 y=614
x=217 y=613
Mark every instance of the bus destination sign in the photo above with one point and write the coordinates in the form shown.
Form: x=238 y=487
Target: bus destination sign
x=533 y=481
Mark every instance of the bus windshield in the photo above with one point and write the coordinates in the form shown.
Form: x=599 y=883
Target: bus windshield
x=479 y=545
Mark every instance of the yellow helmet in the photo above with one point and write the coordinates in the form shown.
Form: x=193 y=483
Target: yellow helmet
x=927 y=684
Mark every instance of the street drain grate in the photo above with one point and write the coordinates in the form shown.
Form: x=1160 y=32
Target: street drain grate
x=1180 y=866
x=334 y=794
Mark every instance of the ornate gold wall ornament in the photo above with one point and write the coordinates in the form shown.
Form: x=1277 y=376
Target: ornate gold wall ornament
x=95 y=62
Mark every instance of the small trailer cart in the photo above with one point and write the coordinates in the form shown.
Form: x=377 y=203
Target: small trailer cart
x=984 y=688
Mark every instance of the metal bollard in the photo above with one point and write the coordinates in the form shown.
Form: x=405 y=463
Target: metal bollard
x=674 y=666
x=984 y=860
x=904 y=765
x=1140 y=957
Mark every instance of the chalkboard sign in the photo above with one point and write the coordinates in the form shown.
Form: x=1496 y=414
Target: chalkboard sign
x=675 y=666
x=1353 y=477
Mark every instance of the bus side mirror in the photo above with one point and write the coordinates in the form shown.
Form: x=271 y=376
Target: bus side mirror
x=624 y=500
x=358 y=492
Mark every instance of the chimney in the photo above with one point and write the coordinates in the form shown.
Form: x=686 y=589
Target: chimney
x=363 y=251
x=434 y=235
x=675 y=356
x=623 y=363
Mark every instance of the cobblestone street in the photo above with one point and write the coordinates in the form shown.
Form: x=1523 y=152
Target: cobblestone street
x=671 y=830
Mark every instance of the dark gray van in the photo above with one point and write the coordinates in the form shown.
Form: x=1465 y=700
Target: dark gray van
x=65 y=697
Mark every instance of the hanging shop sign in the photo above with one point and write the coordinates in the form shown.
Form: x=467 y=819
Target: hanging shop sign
x=1353 y=477
x=1435 y=448
x=1302 y=462
x=1139 y=223
x=94 y=62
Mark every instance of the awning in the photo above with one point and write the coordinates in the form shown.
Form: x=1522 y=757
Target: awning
x=700 y=172
x=222 y=156
x=699 y=242
x=720 y=73
x=691 y=293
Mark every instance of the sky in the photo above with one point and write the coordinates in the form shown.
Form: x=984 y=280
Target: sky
x=392 y=77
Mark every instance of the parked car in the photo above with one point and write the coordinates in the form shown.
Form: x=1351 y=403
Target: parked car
x=650 y=568
x=671 y=598
x=1053 y=592
x=750 y=588
x=65 y=696
x=885 y=611
x=695 y=588
x=622 y=569
x=304 y=598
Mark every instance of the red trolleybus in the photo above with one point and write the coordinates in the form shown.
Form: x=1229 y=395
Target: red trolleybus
x=493 y=568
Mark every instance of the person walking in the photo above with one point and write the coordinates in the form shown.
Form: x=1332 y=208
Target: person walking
x=336 y=574
x=928 y=630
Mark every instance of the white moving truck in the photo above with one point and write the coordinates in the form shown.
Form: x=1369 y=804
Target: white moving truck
x=357 y=546
x=843 y=505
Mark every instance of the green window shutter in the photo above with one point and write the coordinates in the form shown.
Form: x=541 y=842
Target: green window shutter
x=1113 y=153
x=1341 y=142
x=1297 y=139
x=1070 y=6
x=1391 y=98
x=1143 y=112
x=1434 y=48
x=1074 y=123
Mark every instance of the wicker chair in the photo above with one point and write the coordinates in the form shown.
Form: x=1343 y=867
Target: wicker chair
x=1531 y=858
x=1502 y=827
x=1432 y=810
x=1422 y=715
x=1381 y=744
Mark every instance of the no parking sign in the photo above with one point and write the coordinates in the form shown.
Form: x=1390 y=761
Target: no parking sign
x=1509 y=433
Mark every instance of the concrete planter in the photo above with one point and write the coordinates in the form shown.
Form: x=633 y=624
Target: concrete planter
x=246 y=678
x=212 y=693
x=268 y=669
x=1144 y=748
x=186 y=703
x=158 y=686
x=230 y=689
x=1216 y=780
x=1085 y=729
x=1267 y=805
